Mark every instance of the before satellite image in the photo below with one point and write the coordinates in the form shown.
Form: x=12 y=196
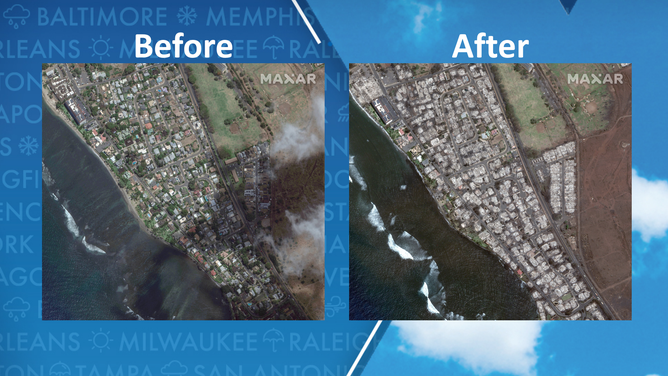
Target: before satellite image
x=490 y=191
x=185 y=192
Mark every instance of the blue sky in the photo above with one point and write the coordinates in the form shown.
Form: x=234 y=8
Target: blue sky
x=635 y=347
x=596 y=31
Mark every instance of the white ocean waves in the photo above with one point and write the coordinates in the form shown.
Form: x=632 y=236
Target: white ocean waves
x=131 y=312
x=76 y=232
x=91 y=247
x=355 y=174
x=375 y=219
x=430 y=306
x=453 y=316
x=402 y=252
x=71 y=224
x=46 y=176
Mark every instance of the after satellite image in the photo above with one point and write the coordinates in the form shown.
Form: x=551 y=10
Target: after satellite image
x=490 y=191
x=183 y=191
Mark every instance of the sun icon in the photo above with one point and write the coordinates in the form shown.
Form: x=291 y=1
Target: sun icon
x=100 y=340
x=100 y=47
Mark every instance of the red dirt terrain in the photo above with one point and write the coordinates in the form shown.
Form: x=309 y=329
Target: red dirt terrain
x=605 y=203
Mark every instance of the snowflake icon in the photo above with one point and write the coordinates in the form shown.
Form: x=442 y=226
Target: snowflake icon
x=186 y=15
x=28 y=145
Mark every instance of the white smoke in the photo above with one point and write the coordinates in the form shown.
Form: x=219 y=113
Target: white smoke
x=308 y=226
x=295 y=142
x=313 y=224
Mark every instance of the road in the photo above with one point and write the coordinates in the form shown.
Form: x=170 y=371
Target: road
x=238 y=208
x=553 y=99
x=545 y=83
x=574 y=261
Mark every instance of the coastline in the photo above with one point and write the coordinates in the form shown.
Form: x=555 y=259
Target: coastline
x=51 y=103
x=440 y=209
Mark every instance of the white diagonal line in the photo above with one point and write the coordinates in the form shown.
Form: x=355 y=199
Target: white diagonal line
x=301 y=13
x=368 y=340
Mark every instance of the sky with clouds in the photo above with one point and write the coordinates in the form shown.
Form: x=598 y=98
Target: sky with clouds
x=477 y=348
x=426 y=31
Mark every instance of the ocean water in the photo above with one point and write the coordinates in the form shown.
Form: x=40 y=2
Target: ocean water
x=406 y=262
x=97 y=263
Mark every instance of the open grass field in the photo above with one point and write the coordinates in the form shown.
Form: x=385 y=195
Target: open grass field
x=290 y=103
x=526 y=103
x=589 y=104
x=220 y=100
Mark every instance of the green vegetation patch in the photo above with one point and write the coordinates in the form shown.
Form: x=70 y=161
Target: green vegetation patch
x=530 y=113
x=232 y=131
x=588 y=103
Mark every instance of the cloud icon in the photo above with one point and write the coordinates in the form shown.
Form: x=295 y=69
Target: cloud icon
x=16 y=11
x=174 y=368
x=16 y=304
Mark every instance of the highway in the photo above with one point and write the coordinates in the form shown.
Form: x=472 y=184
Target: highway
x=553 y=100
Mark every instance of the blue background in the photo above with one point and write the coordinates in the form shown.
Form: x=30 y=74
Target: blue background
x=362 y=31
x=596 y=31
x=308 y=347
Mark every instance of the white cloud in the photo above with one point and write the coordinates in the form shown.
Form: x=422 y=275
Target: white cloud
x=424 y=11
x=650 y=207
x=482 y=346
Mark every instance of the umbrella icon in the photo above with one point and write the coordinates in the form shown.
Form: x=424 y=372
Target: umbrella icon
x=273 y=42
x=273 y=336
x=343 y=113
x=59 y=369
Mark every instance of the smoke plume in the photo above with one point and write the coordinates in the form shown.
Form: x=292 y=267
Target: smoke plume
x=295 y=142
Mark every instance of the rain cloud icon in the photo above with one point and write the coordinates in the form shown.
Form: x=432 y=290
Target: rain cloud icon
x=16 y=307
x=15 y=14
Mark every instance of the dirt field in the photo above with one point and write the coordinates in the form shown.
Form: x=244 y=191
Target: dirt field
x=309 y=287
x=298 y=188
x=605 y=203
x=290 y=103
